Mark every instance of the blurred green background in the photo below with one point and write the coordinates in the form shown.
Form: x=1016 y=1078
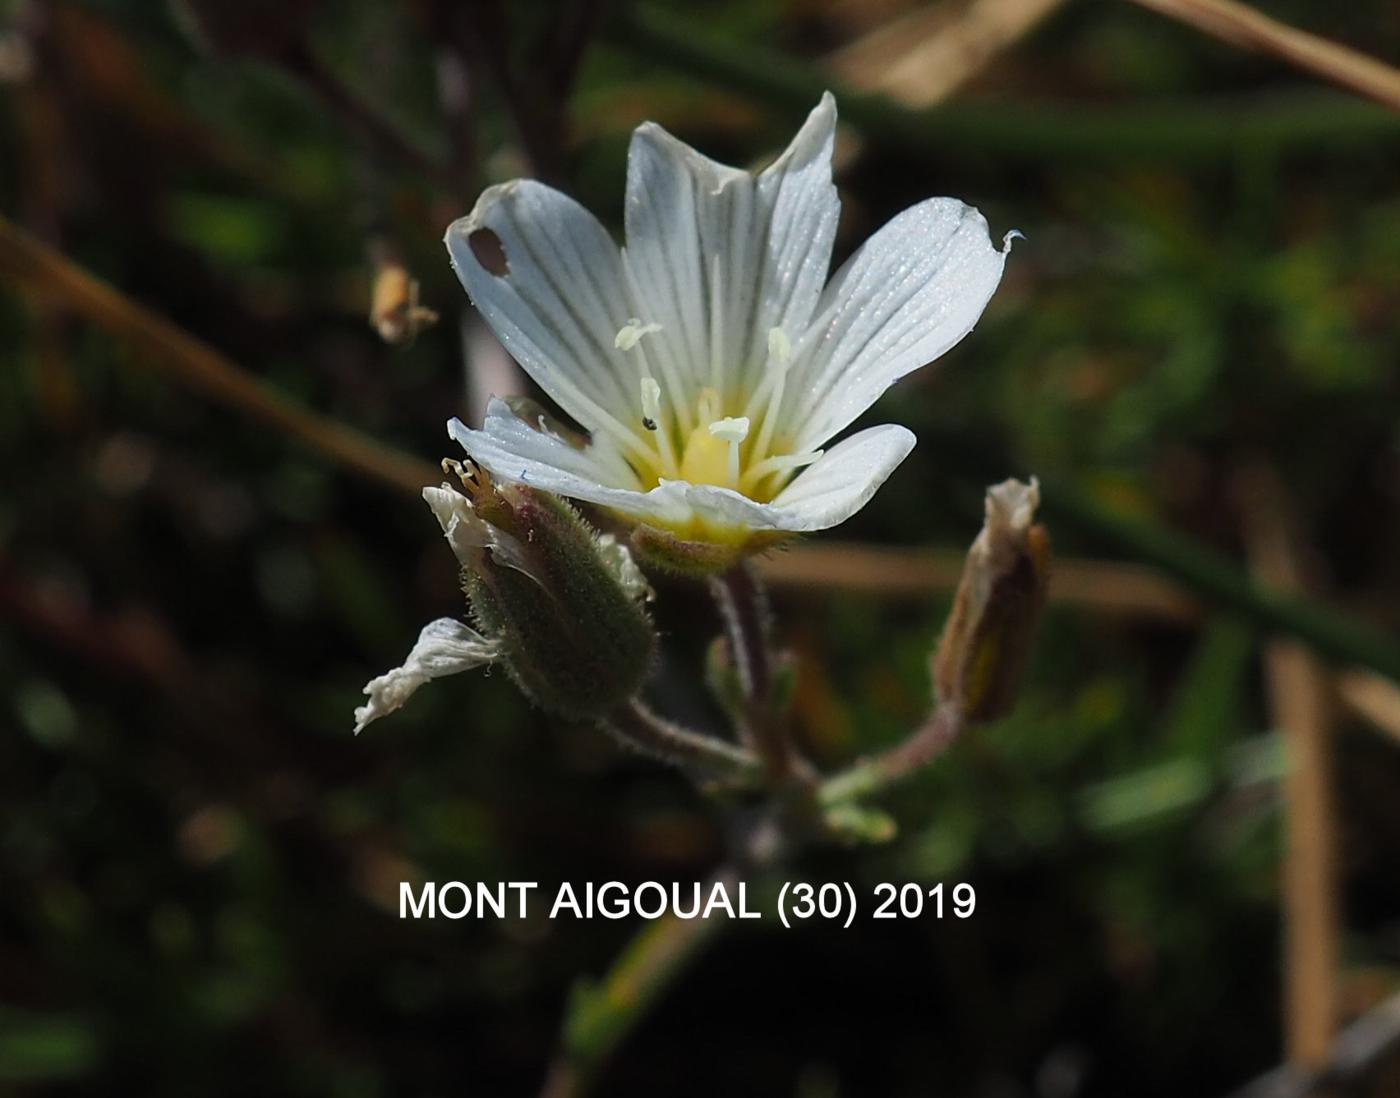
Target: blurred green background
x=199 y=865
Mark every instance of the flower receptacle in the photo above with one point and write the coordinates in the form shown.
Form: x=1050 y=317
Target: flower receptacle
x=699 y=557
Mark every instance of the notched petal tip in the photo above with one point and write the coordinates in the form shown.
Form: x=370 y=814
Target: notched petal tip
x=812 y=143
x=651 y=139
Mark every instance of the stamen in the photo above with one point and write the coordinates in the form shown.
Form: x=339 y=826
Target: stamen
x=756 y=474
x=709 y=404
x=474 y=477
x=732 y=430
x=651 y=420
x=630 y=334
x=627 y=338
x=598 y=420
x=779 y=346
x=716 y=324
x=676 y=391
x=651 y=402
x=779 y=358
x=775 y=368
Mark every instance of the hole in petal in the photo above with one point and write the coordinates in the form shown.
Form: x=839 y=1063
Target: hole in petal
x=489 y=252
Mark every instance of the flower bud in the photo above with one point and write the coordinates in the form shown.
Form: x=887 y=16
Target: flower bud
x=564 y=605
x=987 y=641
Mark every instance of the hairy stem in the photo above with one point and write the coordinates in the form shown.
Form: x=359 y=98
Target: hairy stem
x=926 y=743
x=638 y=727
x=743 y=604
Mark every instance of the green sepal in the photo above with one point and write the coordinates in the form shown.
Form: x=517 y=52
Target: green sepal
x=574 y=640
x=657 y=548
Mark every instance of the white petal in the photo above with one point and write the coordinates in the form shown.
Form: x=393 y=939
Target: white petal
x=558 y=305
x=826 y=493
x=617 y=558
x=842 y=480
x=700 y=234
x=511 y=449
x=466 y=531
x=911 y=292
x=444 y=647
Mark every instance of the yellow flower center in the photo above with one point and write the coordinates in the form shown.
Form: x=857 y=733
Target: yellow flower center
x=705 y=459
x=700 y=444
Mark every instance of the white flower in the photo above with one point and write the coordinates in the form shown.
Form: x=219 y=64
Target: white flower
x=445 y=647
x=710 y=359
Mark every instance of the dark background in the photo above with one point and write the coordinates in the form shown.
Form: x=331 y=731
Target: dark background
x=199 y=864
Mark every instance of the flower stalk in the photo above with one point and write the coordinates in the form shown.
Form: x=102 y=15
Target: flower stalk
x=986 y=643
x=743 y=604
x=637 y=727
x=927 y=743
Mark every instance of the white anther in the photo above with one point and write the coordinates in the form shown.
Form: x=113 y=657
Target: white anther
x=651 y=398
x=731 y=428
x=630 y=334
x=779 y=347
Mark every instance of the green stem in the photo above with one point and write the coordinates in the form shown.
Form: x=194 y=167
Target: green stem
x=743 y=604
x=639 y=728
x=926 y=743
x=1173 y=131
x=599 y=1017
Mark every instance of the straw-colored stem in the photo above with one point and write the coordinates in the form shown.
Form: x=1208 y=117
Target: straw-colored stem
x=1241 y=25
x=1300 y=701
x=1178 y=133
x=885 y=571
x=164 y=346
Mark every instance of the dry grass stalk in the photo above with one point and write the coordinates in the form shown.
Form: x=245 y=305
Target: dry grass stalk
x=922 y=57
x=1241 y=25
x=1300 y=700
x=1372 y=697
x=44 y=272
x=1104 y=586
